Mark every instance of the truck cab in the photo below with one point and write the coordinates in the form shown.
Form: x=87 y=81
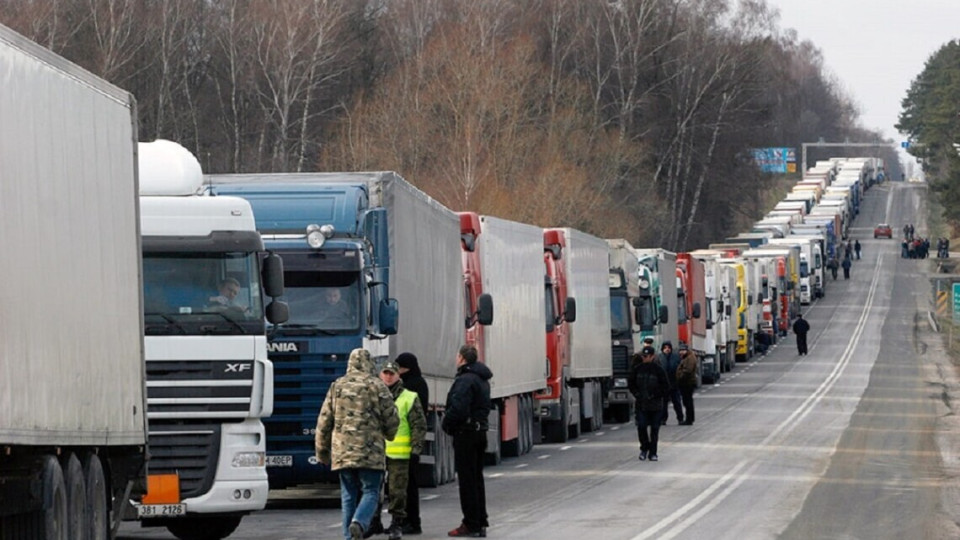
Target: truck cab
x=206 y=277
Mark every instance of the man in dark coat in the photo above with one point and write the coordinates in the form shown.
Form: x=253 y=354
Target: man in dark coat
x=648 y=384
x=413 y=380
x=800 y=328
x=467 y=420
x=846 y=264
x=670 y=362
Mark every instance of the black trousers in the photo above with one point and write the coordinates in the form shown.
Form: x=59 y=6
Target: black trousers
x=802 y=343
x=413 y=492
x=468 y=454
x=686 y=395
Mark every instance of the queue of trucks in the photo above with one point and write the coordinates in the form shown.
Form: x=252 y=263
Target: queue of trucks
x=204 y=317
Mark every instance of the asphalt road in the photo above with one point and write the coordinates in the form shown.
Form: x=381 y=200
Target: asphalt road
x=853 y=441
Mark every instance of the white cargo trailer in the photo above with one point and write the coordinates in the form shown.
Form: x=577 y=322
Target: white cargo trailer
x=591 y=365
x=72 y=392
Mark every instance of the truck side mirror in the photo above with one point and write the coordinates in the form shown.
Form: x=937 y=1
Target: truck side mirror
x=485 y=309
x=696 y=310
x=570 y=310
x=389 y=313
x=759 y=297
x=273 y=275
x=278 y=312
x=709 y=324
x=664 y=316
x=635 y=302
x=729 y=310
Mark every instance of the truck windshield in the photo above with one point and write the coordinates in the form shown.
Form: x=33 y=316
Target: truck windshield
x=200 y=293
x=620 y=315
x=648 y=317
x=804 y=269
x=326 y=301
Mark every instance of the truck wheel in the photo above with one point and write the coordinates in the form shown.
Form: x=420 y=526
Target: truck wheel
x=97 y=515
x=76 y=498
x=202 y=528
x=54 y=521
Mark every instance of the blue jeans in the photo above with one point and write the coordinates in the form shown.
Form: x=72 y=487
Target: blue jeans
x=359 y=495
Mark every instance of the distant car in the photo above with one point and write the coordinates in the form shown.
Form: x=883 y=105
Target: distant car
x=882 y=230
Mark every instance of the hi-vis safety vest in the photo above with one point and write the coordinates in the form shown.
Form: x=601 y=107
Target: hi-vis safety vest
x=399 y=447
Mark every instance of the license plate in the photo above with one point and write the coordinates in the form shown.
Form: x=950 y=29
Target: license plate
x=279 y=461
x=161 y=510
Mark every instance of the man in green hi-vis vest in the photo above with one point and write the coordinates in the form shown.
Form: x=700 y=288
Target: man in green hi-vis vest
x=408 y=441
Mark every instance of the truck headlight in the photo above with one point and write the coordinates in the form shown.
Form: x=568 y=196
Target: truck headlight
x=317 y=235
x=249 y=459
x=620 y=382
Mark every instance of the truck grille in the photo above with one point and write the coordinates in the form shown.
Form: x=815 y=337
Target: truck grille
x=621 y=359
x=189 y=450
x=199 y=389
x=300 y=384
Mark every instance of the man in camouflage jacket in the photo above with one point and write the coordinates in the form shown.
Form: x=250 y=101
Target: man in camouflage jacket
x=357 y=417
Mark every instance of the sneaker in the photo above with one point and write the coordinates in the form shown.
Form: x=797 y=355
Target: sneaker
x=643 y=455
x=463 y=531
x=394 y=531
x=411 y=529
x=356 y=531
x=653 y=457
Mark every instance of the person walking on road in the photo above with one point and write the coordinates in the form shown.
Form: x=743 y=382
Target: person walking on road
x=856 y=248
x=413 y=380
x=846 y=268
x=670 y=361
x=800 y=328
x=466 y=419
x=357 y=417
x=648 y=384
x=687 y=381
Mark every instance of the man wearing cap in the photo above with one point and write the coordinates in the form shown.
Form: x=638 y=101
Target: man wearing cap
x=687 y=381
x=413 y=380
x=648 y=384
x=407 y=443
x=358 y=414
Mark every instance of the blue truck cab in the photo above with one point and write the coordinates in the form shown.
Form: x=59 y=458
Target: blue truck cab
x=335 y=250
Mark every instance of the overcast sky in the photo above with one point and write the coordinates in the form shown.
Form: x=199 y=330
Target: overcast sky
x=874 y=47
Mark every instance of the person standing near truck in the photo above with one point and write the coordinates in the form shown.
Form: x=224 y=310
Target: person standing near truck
x=357 y=417
x=407 y=443
x=648 y=384
x=413 y=380
x=687 y=381
x=800 y=328
x=670 y=362
x=467 y=410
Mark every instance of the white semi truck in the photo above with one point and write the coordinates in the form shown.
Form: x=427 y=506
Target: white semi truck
x=72 y=392
x=209 y=382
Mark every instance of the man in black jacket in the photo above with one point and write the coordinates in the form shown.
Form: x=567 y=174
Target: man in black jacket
x=413 y=380
x=800 y=328
x=466 y=419
x=648 y=384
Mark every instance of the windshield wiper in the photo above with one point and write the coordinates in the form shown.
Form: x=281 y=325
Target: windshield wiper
x=169 y=320
x=304 y=329
x=236 y=325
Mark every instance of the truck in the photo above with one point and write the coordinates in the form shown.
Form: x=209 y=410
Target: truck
x=503 y=274
x=73 y=428
x=578 y=354
x=389 y=250
x=719 y=288
x=626 y=320
x=692 y=327
x=659 y=299
x=812 y=265
x=206 y=277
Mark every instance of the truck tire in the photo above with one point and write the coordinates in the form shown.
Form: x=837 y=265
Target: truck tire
x=54 y=513
x=204 y=528
x=97 y=513
x=76 y=498
x=528 y=424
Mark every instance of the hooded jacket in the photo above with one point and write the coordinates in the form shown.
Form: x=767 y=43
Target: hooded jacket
x=648 y=384
x=413 y=380
x=670 y=363
x=358 y=414
x=468 y=402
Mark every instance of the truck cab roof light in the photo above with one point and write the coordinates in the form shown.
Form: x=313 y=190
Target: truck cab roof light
x=317 y=235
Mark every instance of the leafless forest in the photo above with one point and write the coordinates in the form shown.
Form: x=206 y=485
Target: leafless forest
x=629 y=118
